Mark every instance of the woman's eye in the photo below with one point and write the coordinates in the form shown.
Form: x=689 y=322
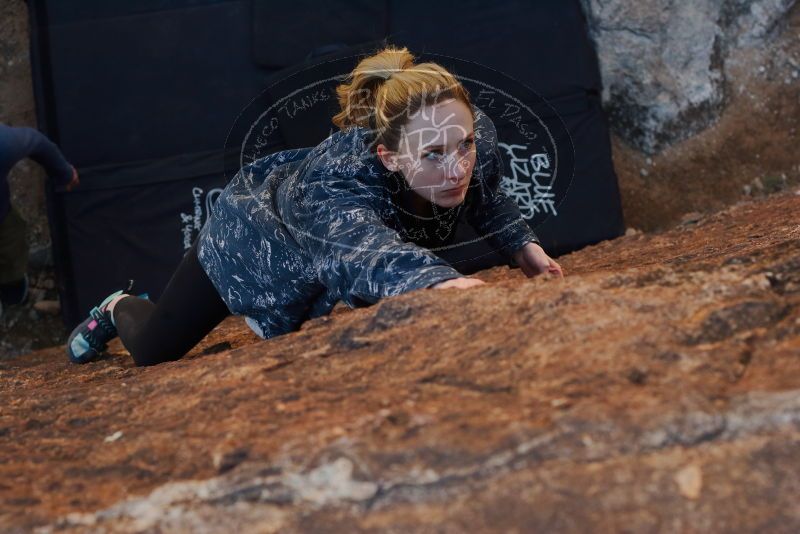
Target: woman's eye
x=467 y=143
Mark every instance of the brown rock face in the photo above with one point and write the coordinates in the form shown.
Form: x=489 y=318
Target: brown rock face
x=655 y=388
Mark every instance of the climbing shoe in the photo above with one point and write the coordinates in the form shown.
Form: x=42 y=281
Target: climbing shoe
x=90 y=338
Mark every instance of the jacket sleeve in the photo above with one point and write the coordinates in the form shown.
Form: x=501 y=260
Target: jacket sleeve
x=31 y=143
x=337 y=222
x=493 y=214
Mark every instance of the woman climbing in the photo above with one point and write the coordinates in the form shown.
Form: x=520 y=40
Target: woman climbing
x=352 y=219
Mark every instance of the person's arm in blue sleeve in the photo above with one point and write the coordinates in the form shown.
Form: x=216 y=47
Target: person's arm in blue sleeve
x=355 y=255
x=33 y=144
x=494 y=215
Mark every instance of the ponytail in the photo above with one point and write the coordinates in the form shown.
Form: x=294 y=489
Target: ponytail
x=385 y=89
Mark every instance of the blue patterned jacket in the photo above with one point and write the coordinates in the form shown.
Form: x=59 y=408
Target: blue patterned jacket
x=298 y=230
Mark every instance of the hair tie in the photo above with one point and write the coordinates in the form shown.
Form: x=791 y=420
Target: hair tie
x=391 y=73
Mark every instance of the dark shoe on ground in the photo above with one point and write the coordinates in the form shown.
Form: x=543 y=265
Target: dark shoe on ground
x=14 y=293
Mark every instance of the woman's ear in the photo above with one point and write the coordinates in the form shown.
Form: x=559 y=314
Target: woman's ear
x=388 y=158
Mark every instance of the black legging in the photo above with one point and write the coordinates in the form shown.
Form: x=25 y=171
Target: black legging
x=189 y=308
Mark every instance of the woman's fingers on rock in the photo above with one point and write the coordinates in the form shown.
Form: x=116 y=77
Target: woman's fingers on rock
x=555 y=269
x=527 y=270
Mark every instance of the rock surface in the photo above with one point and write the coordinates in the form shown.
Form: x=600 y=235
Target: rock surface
x=665 y=65
x=749 y=151
x=655 y=388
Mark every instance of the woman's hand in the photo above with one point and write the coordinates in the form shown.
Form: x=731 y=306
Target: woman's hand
x=533 y=260
x=73 y=183
x=461 y=283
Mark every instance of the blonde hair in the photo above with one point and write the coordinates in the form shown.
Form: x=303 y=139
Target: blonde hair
x=386 y=88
